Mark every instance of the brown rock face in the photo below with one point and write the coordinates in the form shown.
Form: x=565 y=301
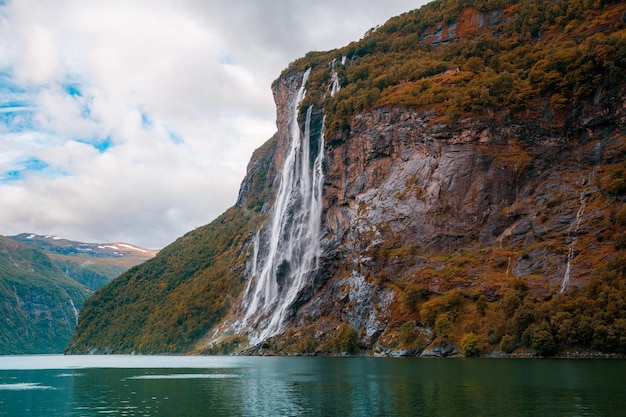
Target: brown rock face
x=284 y=89
x=409 y=199
x=410 y=181
x=469 y=23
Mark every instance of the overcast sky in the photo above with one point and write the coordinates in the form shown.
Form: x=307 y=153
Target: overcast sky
x=134 y=120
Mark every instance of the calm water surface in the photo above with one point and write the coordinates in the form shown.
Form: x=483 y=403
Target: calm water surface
x=259 y=386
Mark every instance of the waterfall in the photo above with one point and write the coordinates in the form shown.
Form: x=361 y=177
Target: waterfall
x=255 y=253
x=293 y=237
x=334 y=86
x=573 y=232
x=334 y=78
x=74 y=310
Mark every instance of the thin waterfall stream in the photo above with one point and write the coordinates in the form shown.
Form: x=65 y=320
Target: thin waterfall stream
x=574 y=233
x=570 y=250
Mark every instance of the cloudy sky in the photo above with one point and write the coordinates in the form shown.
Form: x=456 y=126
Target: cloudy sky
x=133 y=120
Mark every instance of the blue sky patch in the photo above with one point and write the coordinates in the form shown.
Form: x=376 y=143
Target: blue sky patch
x=73 y=90
x=17 y=120
x=176 y=138
x=101 y=145
x=146 y=121
x=7 y=84
x=23 y=168
x=104 y=144
x=16 y=108
x=35 y=164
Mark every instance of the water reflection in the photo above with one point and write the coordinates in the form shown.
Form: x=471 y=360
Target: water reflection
x=322 y=387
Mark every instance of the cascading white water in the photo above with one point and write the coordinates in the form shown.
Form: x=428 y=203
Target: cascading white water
x=573 y=231
x=74 y=310
x=73 y=306
x=334 y=79
x=293 y=249
x=334 y=84
x=255 y=253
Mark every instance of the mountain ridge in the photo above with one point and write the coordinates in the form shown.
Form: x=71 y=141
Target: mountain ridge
x=45 y=280
x=91 y=264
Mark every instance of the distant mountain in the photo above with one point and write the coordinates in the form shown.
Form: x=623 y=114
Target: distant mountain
x=91 y=264
x=44 y=281
x=40 y=303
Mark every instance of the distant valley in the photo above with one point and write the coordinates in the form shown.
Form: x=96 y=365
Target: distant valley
x=44 y=281
x=91 y=264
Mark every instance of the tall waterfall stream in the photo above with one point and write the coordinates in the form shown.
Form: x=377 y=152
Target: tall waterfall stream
x=283 y=263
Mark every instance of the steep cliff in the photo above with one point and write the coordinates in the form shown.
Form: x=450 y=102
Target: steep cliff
x=452 y=181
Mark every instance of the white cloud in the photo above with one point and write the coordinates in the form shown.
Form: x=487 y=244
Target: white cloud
x=39 y=61
x=145 y=112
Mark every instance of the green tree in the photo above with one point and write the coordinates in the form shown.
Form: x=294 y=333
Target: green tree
x=507 y=344
x=444 y=327
x=541 y=339
x=345 y=340
x=470 y=345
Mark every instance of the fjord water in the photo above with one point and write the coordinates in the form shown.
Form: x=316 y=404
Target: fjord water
x=286 y=386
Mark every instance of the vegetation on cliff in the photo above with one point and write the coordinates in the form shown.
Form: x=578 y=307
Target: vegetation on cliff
x=478 y=58
x=532 y=63
x=172 y=300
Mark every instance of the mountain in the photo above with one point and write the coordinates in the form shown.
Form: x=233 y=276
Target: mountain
x=40 y=302
x=91 y=264
x=453 y=182
x=44 y=281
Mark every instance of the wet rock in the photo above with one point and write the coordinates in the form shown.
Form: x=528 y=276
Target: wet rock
x=441 y=350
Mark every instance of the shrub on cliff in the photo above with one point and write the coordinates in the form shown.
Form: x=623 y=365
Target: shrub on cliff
x=344 y=341
x=507 y=344
x=470 y=345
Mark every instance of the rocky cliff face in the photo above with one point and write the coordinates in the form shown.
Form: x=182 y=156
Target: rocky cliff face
x=472 y=205
x=402 y=179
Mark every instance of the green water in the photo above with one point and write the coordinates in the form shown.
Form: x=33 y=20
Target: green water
x=257 y=386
